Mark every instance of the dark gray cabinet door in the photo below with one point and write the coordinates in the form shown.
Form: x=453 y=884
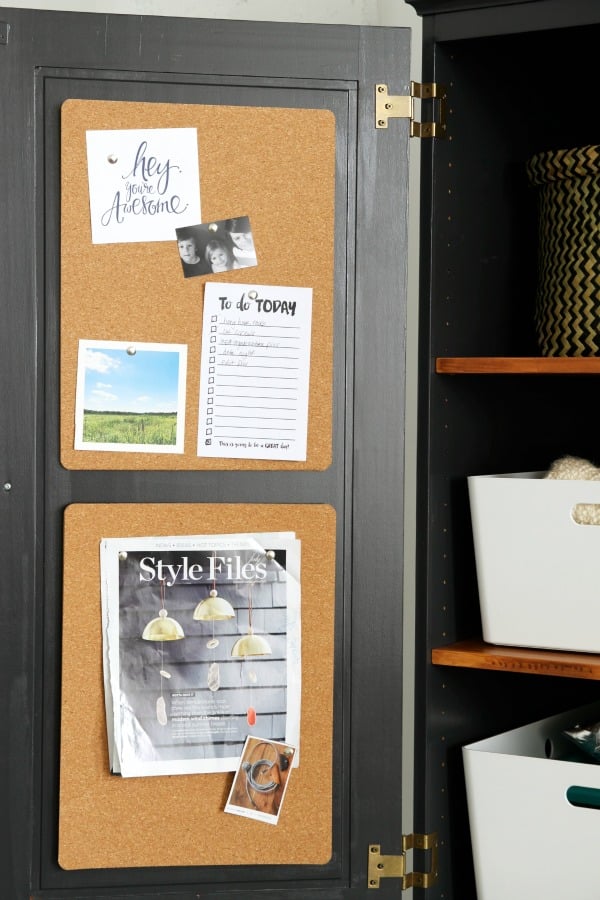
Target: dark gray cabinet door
x=46 y=58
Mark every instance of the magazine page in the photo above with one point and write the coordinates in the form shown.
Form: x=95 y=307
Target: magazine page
x=201 y=649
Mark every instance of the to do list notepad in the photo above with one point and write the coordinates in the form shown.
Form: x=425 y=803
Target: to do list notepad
x=255 y=369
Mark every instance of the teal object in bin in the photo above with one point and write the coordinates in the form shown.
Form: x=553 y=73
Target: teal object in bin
x=584 y=796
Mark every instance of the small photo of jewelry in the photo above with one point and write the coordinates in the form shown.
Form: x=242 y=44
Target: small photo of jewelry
x=261 y=780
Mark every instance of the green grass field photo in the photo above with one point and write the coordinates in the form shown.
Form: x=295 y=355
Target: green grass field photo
x=100 y=427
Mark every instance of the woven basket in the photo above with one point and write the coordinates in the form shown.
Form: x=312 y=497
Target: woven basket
x=567 y=317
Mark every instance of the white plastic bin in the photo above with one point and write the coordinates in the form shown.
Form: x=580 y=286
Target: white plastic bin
x=529 y=841
x=538 y=570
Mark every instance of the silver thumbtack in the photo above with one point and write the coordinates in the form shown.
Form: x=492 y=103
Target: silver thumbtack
x=131 y=351
x=253 y=295
x=112 y=158
x=213 y=227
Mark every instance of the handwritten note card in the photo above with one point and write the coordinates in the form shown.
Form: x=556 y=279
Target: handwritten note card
x=143 y=184
x=255 y=371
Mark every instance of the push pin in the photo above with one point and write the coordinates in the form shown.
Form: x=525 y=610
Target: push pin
x=213 y=227
x=253 y=295
x=112 y=158
x=131 y=351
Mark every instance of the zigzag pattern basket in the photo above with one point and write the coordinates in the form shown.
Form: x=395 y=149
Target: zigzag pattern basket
x=567 y=317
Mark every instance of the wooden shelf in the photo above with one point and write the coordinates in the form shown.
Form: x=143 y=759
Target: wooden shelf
x=475 y=654
x=517 y=365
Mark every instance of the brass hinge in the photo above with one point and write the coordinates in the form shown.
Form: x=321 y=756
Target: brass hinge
x=395 y=866
x=402 y=107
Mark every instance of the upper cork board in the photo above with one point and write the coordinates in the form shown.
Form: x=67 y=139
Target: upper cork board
x=278 y=170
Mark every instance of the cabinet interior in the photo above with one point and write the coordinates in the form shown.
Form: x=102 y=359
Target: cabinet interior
x=509 y=96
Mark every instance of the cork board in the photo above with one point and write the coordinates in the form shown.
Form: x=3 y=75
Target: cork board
x=275 y=165
x=106 y=821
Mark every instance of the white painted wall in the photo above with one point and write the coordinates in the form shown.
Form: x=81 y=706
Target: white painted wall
x=343 y=12
x=348 y=12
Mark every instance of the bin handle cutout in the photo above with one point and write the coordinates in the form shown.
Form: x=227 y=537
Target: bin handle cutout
x=586 y=513
x=586 y=797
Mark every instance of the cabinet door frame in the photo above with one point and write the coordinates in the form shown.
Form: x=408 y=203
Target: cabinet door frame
x=371 y=381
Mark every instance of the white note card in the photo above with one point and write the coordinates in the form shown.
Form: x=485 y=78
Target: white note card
x=143 y=183
x=255 y=370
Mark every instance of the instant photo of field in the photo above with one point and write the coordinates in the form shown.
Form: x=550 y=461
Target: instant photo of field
x=130 y=397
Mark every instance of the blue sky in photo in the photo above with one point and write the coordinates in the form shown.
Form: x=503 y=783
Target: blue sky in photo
x=144 y=382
